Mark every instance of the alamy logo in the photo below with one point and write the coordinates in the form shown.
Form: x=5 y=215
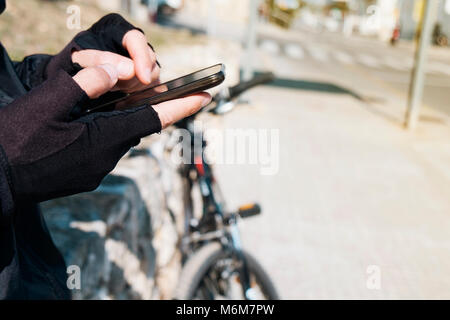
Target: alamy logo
x=230 y=146
x=74 y=278
x=74 y=19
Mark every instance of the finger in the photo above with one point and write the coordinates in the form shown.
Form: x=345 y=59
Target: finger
x=156 y=72
x=128 y=86
x=144 y=59
x=134 y=85
x=172 y=111
x=96 y=81
x=91 y=58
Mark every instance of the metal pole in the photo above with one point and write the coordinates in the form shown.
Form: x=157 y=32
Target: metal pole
x=248 y=68
x=418 y=75
x=211 y=24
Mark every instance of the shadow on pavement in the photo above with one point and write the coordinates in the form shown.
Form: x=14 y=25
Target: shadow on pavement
x=368 y=103
x=311 y=86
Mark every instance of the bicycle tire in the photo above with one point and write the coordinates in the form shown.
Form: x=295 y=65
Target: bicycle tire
x=199 y=264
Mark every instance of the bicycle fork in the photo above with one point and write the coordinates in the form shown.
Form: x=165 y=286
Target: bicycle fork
x=244 y=274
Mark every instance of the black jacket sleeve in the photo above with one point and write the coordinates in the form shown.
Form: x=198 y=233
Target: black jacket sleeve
x=32 y=69
x=49 y=155
x=6 y=199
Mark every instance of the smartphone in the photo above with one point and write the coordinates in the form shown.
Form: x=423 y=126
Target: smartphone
x=189 y=84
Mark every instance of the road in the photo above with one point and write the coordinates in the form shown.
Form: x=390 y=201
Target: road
x=368 y=59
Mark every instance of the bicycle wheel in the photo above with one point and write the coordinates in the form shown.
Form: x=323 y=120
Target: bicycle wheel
x=212 y=274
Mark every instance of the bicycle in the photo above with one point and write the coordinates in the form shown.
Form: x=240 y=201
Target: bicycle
x=214 y=264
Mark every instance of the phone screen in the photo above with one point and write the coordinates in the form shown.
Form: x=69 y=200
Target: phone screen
x=188 y=84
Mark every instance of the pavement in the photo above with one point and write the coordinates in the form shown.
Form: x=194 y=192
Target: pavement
x=353 y=191
x=359 y=207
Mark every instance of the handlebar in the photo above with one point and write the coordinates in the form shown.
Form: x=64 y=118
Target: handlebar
x=228 y=94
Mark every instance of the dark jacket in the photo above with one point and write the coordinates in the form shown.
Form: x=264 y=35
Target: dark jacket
x=31 y=267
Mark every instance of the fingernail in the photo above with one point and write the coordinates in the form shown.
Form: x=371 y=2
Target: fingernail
x=153 y=50
x=125 y=69
x=206 y=101
x=111 y=71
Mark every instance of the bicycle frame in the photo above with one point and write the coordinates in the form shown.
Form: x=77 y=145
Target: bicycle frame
x=215 y=224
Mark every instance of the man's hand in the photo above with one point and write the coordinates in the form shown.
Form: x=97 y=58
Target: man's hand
x=134 y=74
x=108 y=71
x=48 y=154
x=98 y=80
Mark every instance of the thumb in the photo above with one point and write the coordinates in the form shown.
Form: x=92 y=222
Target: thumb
x=96 y=81
x=172 y=111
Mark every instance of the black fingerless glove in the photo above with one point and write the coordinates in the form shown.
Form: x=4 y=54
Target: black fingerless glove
x=106 y=35
x=46 y=155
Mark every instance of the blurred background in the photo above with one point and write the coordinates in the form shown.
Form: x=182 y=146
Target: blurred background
x=356 y=194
